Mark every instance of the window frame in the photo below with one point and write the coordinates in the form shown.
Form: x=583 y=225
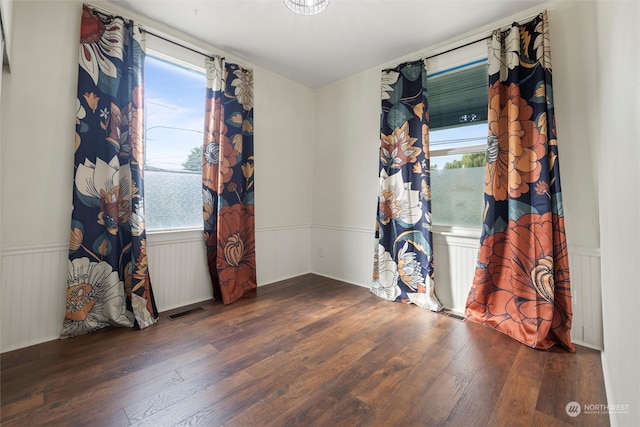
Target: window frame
x=471 y=55
x=170 y=52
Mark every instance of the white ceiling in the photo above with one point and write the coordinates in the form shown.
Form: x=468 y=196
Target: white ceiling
x=350 y=36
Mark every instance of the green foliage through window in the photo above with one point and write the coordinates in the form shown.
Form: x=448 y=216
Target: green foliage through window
x=469 y=160
x=194 y=161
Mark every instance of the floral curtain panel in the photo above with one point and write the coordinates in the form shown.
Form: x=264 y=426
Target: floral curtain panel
x=227 y=180
x=108 y=280
x=522 y=285
x=403 y=258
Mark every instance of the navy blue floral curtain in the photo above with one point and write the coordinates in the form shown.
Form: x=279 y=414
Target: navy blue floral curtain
x=108 y=279
x=403 y=258
x=522 y=285
x=227 y=180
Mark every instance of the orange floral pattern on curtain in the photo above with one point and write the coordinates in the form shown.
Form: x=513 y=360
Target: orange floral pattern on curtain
x=522 y=284
x=227 y=180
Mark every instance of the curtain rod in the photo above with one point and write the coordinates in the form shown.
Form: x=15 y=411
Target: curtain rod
x=486 y=36
x=440 y=53
x=104 y=14
x=207 y=55
x=458 y=47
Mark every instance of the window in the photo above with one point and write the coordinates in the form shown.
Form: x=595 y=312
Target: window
x=457 y=140
x=174 y=121
x=457 y=175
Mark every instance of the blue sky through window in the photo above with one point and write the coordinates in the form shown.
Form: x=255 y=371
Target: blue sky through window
x=174 y=103
x=457 y=137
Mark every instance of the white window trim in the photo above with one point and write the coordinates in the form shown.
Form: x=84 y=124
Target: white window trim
x=452 y=232
x=171 y=52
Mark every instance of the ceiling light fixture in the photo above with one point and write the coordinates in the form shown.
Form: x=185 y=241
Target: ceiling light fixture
x=306 y=7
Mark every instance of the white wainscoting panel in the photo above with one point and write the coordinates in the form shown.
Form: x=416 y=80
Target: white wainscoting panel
x=343 y=253
x=455 y=260
x=282 y=253
x=33 y=299
x=586 y=290
x=178 y=268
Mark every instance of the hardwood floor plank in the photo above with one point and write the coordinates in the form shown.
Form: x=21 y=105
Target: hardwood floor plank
x=336 y=382
x=540 y=419
x=112 y=419
x=414 y=390
x=439 y=400
x=560 y=367
x=247 y=395
x=529 y=363
x=115 y=395
x=589 y=390
x=22 y=405
x=307 y=351
x=346 y=411
x=485 y=361
x=198 y=404
x=390 y=376
x=516 y=404
x=167 y=397
x=79 y=368
x=309 y=385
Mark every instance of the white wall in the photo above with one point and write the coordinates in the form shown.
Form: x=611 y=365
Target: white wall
x=574 y=61
x=618 y=71
x=347 y=140
x=346 y=143
x=36 y=176
x=283 y=121
x=38 y=124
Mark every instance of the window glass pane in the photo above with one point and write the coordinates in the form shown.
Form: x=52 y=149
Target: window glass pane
x=457 y=137
x=174 y=104
x=457 y=192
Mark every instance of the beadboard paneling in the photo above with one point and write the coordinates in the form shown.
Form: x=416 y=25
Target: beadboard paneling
x=343 y=253
x=178 y=269
x=455 y=263
x=34 y=282
x=586 y=289
x=282 y=253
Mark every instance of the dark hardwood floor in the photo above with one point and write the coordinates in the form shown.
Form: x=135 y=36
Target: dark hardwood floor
x=308 y=351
